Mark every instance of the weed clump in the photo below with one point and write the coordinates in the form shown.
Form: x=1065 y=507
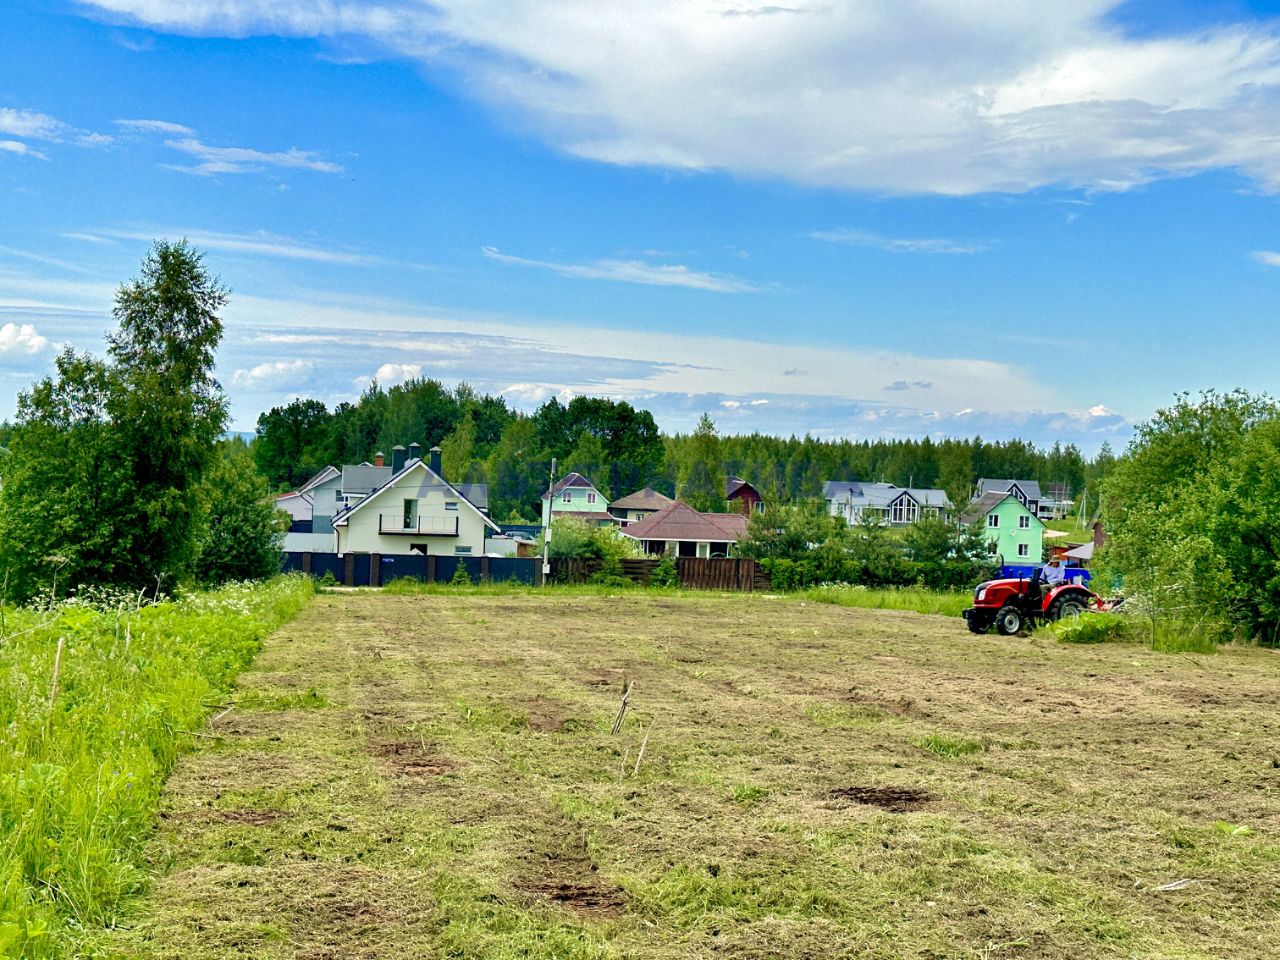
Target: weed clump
x=948 y=746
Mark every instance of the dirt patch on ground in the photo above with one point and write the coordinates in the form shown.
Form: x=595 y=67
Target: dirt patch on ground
x=413 y=758
x=893 y=799
x=544 y=714
x=579 y=897
x=894 y=706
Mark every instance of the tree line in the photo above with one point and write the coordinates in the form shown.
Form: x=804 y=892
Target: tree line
x=620 y=449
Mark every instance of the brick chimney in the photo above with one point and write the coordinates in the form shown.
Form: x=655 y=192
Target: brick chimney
x=378 y=459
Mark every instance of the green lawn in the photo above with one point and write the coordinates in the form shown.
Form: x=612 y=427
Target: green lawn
x=435 y=776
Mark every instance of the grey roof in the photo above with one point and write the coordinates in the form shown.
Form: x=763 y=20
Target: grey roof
x=860 y=494
x=477 y=493
x=1030 y=487
x=363 y=479
x=646 y=499
x=325 y=475
x=979 y=508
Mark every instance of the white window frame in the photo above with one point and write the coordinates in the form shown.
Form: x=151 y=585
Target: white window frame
x=704 y=550
x=993 y=521
x=461 y=551
x=566 y=497
x=591 y=497
x=1024 y=523
x=1024 y=549
x=451 y=504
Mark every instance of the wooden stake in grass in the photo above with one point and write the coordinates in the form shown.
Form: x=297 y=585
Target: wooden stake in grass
x=57 y=665
x=643 y=744
x=622 y=707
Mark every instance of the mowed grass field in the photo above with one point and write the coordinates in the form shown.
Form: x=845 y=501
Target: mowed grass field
x=436 y=776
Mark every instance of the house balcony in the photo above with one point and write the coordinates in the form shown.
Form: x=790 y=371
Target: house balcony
x=396 y=525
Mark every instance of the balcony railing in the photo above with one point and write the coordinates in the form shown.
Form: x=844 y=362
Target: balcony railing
x=396 y=524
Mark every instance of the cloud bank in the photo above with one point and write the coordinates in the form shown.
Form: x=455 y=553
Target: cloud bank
x=916 y=96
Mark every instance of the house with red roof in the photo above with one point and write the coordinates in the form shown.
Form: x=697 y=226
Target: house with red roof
x=682 y=531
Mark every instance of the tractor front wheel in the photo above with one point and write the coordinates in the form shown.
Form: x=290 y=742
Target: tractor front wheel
x=1009 y=620
x=1066 y=609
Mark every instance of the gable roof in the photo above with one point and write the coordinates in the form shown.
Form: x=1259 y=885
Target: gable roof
x=989 y=501
x=341 y=519
x=861 y=494
x=573 y=479
x=364 y=478
x=477 y=493
x=1029 y=487
x=646 y=499
x=328 y=473
x=679 y=521
x=736 y=485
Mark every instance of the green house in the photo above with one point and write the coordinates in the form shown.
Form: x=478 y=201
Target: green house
x=1016 y=535
x=575 y=496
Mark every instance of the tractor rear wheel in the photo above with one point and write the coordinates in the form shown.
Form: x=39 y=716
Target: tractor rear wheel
x=1066 y=608
x=1009 y=620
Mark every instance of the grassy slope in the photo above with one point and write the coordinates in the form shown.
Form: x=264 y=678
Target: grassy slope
x=425 y=776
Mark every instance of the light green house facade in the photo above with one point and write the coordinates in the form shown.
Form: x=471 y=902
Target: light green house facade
x=575 y=496
x=1016 y=535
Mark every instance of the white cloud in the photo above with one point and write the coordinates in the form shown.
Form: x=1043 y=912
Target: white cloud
x=918 y=96
x=634 y=271
x=272 y=373
x=214 y=160
x=21 y=149
x=32 y=125
x=21 y=338
x=260 y=244
x=389 y=374
x=156 y=126
x=866 y=238
x=1267 y=257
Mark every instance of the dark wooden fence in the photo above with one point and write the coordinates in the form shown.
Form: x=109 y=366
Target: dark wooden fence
x=693 y=572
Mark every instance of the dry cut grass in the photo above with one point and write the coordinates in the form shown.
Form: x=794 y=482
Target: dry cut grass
x=431 y=776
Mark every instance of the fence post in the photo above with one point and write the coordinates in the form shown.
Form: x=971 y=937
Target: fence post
x=375 y=569
x=431 y=569
x=349 y=570
x=484 y=569
x=306 y=562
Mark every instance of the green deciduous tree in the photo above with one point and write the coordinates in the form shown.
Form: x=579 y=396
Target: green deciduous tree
x=108 y=457
x=243 y=531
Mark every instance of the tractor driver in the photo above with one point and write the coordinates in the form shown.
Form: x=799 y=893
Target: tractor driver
x=1053 y=575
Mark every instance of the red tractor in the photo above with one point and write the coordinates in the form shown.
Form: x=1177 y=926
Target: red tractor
x=1011 y=605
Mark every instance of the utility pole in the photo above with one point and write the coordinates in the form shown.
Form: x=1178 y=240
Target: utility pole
x=546 y=534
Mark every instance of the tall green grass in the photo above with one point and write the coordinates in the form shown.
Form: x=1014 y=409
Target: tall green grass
x=919 y=599
x=81 y=771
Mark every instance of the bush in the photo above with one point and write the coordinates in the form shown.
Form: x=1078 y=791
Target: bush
x=610 y=574
x=665 y=574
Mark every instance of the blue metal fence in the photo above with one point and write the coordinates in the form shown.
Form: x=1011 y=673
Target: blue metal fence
x=363 y=569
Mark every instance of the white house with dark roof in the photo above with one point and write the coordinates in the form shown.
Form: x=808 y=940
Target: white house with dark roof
x=896 y=506
x=415 y=510
x=574 y=495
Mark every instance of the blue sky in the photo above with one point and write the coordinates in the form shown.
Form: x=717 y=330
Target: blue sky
x=849 y=219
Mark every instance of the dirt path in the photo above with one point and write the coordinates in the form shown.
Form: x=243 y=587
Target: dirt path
x=435 y=776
